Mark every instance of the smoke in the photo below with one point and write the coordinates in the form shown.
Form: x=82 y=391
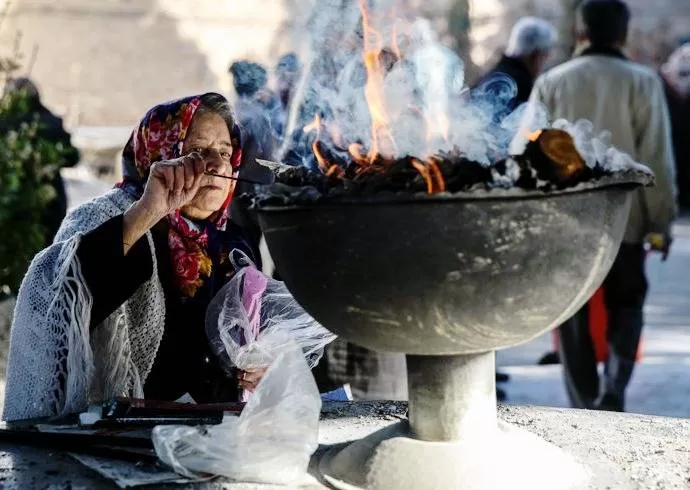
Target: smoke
x=425 y=103
x=595 y=149
x=418 y=90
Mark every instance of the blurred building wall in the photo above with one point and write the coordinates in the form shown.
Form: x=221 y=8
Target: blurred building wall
x=104 y=62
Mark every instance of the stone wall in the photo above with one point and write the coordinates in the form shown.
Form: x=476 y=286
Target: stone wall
x=105 y=62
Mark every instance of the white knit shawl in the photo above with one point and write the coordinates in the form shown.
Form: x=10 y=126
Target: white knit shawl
x=51 y=338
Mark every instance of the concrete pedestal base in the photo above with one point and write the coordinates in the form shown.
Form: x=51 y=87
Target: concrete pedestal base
x=508 y=457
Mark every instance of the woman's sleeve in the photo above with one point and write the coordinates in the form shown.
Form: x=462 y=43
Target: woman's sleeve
x=111 y=276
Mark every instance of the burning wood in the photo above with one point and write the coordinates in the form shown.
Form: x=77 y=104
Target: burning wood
x=550 y=162
x=554 y=155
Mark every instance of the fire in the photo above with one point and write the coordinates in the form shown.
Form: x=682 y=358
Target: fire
x=358 y=154
x=534 y=135
x=381 y=137
x=395 y=46
x=437 y=125
x=323 y=163
x=438 y=176
x=378 y=60
x=315 y=125
x=432 y=175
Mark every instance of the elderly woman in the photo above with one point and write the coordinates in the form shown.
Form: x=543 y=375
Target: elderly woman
x=116 y=305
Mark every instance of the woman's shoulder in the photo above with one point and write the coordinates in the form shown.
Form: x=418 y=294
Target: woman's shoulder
x=93 y=213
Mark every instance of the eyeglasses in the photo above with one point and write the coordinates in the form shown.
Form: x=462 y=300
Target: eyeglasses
x=210 y=153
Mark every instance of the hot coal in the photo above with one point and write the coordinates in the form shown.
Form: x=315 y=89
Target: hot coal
x=549 y=163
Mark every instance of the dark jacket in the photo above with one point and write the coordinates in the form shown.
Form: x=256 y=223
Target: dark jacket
x=679 y=111
x=517 y=71
x=184 y=362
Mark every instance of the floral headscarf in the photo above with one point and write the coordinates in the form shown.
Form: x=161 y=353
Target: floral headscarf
x=160 y=136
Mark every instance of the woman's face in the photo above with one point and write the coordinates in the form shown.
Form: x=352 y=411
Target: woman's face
x=209 y=136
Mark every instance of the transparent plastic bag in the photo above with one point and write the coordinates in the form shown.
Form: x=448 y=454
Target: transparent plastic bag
x=243 y=318
x=270 y=442
x=254 y=322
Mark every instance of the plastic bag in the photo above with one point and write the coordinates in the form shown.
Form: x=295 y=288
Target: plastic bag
x=270 y=442
x=243 y=320
x=254 y=322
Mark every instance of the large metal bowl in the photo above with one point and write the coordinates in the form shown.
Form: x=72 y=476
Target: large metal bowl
x=450 y=274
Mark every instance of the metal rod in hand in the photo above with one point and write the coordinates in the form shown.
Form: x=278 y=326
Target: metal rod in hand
x=238 y=179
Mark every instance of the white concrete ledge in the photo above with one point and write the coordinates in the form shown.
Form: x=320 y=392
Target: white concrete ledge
x=622 y=451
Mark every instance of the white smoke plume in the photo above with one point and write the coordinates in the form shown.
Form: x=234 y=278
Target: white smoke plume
x=424 y=100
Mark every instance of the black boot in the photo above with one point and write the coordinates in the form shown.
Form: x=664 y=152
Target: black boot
x=500 y=395
x=611 y=403
x=549 y=358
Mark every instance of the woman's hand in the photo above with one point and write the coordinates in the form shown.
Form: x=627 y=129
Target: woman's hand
x=249 y=379
x=171 y=185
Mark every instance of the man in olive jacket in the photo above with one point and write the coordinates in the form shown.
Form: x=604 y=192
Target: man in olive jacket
x=627 y=99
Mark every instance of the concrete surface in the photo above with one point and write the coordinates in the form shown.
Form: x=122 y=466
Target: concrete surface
x=622 y=451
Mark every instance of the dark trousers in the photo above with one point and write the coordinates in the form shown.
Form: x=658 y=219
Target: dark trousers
x=625 y=289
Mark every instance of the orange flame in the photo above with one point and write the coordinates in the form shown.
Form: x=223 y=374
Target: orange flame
x=431 y=174
x=334 y=169
x=315 y=125
x=321 y=160
x=438 y=125
x=424 y=172
x=382 y=139
x=438 y=176
x=534 y=135
x=356 y=151
x=395 y=45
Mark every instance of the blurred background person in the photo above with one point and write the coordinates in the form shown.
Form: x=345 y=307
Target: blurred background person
x=627 y=99
x=250 y=80
x=252 y=110
x=50 y=129
x=676 y=75
x=529 y=47
x=288 y=72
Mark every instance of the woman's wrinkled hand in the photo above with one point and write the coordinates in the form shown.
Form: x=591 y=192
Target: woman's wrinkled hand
x=173 y=183
x=249 y=379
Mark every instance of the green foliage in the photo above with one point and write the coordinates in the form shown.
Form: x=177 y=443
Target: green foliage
x=28 y=164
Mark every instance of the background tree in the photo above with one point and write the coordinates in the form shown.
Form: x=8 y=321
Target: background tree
x=29 y=164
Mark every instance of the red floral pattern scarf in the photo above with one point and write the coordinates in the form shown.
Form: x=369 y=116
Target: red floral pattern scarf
x=160 y=136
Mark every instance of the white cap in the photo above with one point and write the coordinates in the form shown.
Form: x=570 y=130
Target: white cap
x=530 y=34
